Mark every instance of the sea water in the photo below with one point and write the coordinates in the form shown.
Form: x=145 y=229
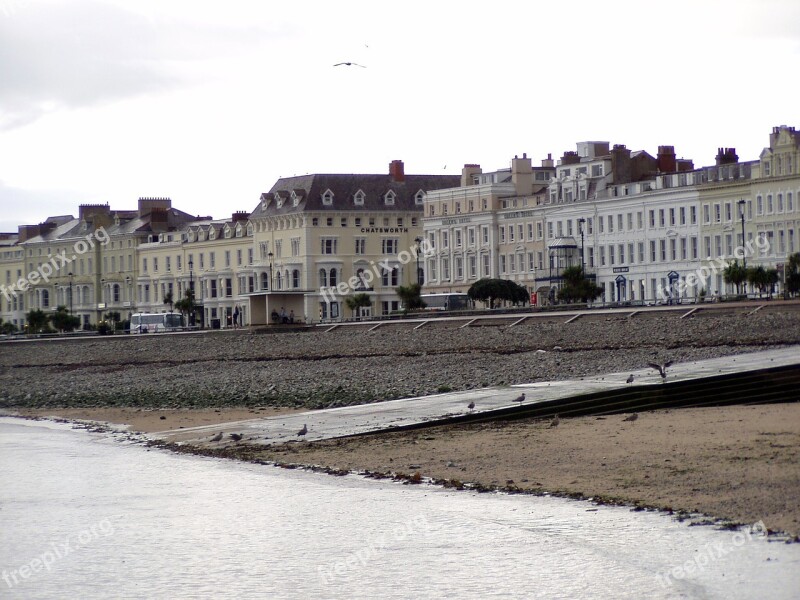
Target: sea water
x=88 y=515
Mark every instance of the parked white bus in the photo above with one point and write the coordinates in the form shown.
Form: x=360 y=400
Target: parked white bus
x=156 y=322
x=449 y=301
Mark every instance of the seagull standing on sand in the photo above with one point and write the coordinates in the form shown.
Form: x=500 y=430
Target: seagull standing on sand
x=555 y=421
x=217 y=438
x=471 y=405
x=520 y=398
x=632 y=417
x=662 y=369
x=629 y=379
x=303 y=431
x=236 y=437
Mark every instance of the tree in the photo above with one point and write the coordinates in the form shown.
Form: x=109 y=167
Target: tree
x=37 y=321
x=7 y=328
x=488 y=290
x=114 y=317
x=63 y=321
x=735 y=274
x=357 y=301
x=186 y=305
x=168 y=299
x=577 y=287
x=792 y=274
x=762 y=278
x=410 y=296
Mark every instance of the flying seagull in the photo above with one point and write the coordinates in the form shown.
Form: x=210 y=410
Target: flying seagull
x=304 y=430
x=217 y=438
x=629 y=379
x=555 y=421
x=632 y=417
x=349 y=64
x=471 y=405
x=662 y=369
x=236 y=437
x=520 y=398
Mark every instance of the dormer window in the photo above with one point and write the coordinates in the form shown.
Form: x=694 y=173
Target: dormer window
x=419 y=197
x=190 y=236
x=358 y=199
x=327 y=198
x=295 y=198
x=201 y=235
x=212 y=234
x=239 y=230
x=389 y=198
x=228 y=232
x=249 y=229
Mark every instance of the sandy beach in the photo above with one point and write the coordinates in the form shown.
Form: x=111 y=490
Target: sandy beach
x=740 y=463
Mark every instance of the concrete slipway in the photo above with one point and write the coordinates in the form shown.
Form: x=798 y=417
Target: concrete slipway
x=759 y=377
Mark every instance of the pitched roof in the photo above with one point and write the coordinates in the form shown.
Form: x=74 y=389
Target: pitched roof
x=310 y=188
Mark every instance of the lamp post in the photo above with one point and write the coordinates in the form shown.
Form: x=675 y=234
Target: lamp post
x=130 y=298
x=191 y=293
x=271 y=285
x=70 y=293
x=741 y=204
x=581 y=223
x=418 y=240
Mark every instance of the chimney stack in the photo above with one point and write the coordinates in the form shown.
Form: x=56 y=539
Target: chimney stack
x=396 y=171
x=726 y=156
x=468 y=172
x=666 y=159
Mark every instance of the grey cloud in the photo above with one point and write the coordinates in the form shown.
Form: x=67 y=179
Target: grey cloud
x=85 y=53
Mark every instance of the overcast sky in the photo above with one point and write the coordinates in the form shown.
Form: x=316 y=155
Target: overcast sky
x=210 y=103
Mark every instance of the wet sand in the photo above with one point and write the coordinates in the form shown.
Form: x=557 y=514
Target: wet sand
x=740 y=463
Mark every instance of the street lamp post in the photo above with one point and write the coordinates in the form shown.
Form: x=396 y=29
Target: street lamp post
x=418 y=240
x=70 y=293
x=130 y=298
x=581 y=223
x=741 y=204
x=271 y=285
x=191 y=293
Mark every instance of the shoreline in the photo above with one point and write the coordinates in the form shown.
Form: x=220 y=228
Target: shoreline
x=726 y=466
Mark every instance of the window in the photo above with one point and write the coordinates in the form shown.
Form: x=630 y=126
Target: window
x=663 y=246
x=780 y=203
x=343 y=222
x=640 y=248
x=694 y=248
x=502 y=235
x=706 y=213
x=759 y=205
x=296 y=278
x=361 y=246
x=389 y=246
x=789 y=202
x=769 y=203
x=672 y=216
x=419 y=197
x=610 y=224
x=717 y=214
x=212 y=259
x=511 y=233
x=227 y=259
x=445 y=239
x=630 y=222
x=329 y=221
x=473 y=267
x=358 y=199
x=457 y=234
x=619 y=223
x=693 y=215
x=323 y=278
x=652 y=216
x=602 y=256
x=445 y=268
x=327 y=198
x=661 y=220
x=653 y=256
x=471 y=236
x=485 y=234
x=328 y=246
x=155 y=264
x=389 y=198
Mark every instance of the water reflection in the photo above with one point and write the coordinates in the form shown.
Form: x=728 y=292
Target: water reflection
x=141 y=523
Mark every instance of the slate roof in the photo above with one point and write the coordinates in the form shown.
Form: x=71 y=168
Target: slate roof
x=309 y=190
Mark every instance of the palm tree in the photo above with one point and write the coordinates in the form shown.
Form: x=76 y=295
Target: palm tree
x=168 y=299
x=357 y=301
x=735 y=274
